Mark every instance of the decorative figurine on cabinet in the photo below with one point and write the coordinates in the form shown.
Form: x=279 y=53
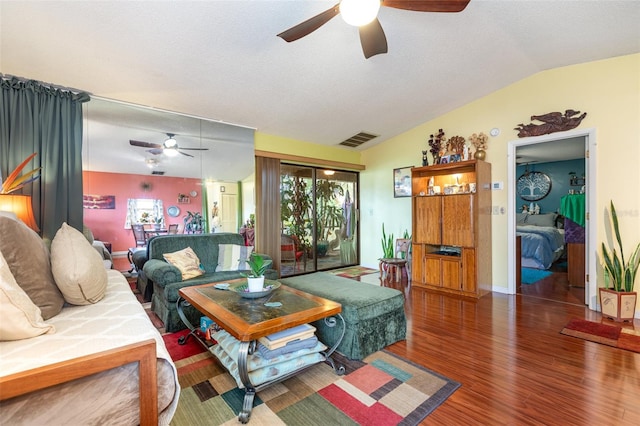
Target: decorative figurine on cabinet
x=425 y=162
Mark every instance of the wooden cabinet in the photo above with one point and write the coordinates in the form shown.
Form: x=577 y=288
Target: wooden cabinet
x=451 y=215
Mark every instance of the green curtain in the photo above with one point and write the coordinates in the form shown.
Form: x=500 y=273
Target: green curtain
x=37 y=117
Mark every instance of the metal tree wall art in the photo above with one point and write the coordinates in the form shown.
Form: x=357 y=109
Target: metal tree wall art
x=533 y=186
x=552 y=122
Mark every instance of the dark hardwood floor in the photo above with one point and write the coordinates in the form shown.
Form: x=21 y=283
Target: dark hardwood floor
x=514 y=365
x=555 y=287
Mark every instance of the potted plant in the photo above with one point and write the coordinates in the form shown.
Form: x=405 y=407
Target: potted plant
x=329 y=213
x=193 y=223
x=257 y=265
x=295 y=210
x=157 y=223
x=618 y=302
x=387 y=245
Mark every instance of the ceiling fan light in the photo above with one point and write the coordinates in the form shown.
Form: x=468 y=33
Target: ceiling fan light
x=171 y=151
x=359 y=12
x=170 y=143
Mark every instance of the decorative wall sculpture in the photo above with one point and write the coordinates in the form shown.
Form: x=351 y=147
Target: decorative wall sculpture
x=553 y=122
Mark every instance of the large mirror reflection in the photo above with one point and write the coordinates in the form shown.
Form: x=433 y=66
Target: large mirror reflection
x=195 y=166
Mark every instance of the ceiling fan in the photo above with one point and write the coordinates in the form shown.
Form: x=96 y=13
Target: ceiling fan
x=169 y=147
x=363 y=14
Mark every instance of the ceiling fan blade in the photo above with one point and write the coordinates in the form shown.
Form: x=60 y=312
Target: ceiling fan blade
x=195 y=149
x=145 y=144
x=155 y=151
x=310 y=25
x=184 y=153
x=372 y=38
x=428 y=5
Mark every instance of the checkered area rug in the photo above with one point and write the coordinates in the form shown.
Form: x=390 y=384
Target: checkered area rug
x=383 y=389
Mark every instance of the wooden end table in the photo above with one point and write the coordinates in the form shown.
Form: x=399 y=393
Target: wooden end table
x=249 y=319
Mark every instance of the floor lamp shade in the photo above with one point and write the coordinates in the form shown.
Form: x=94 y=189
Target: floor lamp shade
x=20 y=205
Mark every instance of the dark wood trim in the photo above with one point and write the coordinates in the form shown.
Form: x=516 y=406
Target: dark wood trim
x=144 y=353
x=309 y=161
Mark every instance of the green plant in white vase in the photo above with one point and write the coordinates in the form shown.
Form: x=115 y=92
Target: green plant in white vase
x=258 y=265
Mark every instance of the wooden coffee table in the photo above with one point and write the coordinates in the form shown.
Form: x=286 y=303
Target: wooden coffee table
x=249 y=319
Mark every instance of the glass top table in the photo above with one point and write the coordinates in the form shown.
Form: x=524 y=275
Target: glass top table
x=248 y=319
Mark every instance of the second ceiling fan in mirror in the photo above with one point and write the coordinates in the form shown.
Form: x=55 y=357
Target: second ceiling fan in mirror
x=169 y=147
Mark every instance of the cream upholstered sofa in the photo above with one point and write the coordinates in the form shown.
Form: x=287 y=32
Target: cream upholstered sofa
x=67 y=319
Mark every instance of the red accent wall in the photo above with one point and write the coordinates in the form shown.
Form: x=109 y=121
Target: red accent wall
x=108 y=224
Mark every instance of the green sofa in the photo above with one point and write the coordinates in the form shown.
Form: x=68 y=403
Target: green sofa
x=374 y=316
x=167 y=279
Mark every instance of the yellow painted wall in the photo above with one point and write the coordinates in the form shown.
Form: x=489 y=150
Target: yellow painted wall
x=271 y=143
x=608 y=90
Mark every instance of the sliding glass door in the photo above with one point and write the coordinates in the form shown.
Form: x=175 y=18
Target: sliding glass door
x=318 y=212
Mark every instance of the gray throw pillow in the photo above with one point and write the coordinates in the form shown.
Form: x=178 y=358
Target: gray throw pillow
x=547 y=219
x=28 y=258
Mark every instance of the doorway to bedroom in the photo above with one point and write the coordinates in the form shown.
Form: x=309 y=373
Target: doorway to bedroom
x=550 y=188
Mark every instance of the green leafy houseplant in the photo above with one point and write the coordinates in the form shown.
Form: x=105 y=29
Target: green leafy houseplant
x=387 y=245
x=258 y=265
x=193 y=222
x=620 y=274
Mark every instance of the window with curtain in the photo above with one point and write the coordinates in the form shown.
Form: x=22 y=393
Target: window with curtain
x=144 y=210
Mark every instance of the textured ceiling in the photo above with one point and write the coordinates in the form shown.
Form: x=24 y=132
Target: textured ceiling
x=222 y=59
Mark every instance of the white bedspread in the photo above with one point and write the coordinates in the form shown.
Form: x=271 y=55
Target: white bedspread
x=115 y=321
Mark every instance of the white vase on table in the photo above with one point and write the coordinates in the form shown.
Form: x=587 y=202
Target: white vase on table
x=255 y=284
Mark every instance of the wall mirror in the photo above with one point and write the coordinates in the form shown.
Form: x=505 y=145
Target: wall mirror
x=111 y=125
x=212 y=155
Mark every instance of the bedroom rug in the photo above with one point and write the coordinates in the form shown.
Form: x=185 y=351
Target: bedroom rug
x=530 y=275
x=383 y=389
x=611 y=335
x=353 y=271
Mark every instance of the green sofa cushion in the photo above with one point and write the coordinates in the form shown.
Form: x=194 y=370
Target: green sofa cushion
x=204 y=245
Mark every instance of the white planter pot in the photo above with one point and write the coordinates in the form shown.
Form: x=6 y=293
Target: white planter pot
x=255 y=284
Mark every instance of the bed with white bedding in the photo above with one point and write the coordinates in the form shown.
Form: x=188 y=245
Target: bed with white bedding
x=542 y=243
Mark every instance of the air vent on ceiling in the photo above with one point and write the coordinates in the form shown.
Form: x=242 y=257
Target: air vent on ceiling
x=157 y=172
x=357 y=140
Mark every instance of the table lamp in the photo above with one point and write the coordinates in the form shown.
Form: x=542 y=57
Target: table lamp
x=20 y=205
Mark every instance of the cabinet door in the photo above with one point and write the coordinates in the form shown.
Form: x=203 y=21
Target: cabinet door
x=469 y=276
x=417 y=263
x=427 y=220
x=451 y=273
x=457 y=220
x=432 y=273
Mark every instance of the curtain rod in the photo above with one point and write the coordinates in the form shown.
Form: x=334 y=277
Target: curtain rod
x=50 y=85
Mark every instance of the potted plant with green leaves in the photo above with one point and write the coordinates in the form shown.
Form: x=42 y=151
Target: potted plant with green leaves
x=258 y=265
x=193 y=223
x=617 y=298
x=329 y=213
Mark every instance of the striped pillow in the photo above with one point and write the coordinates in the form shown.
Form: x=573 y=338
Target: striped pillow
x=233 y=257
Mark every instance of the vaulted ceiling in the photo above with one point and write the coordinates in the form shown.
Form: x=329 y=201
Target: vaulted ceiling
x=222 y=59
